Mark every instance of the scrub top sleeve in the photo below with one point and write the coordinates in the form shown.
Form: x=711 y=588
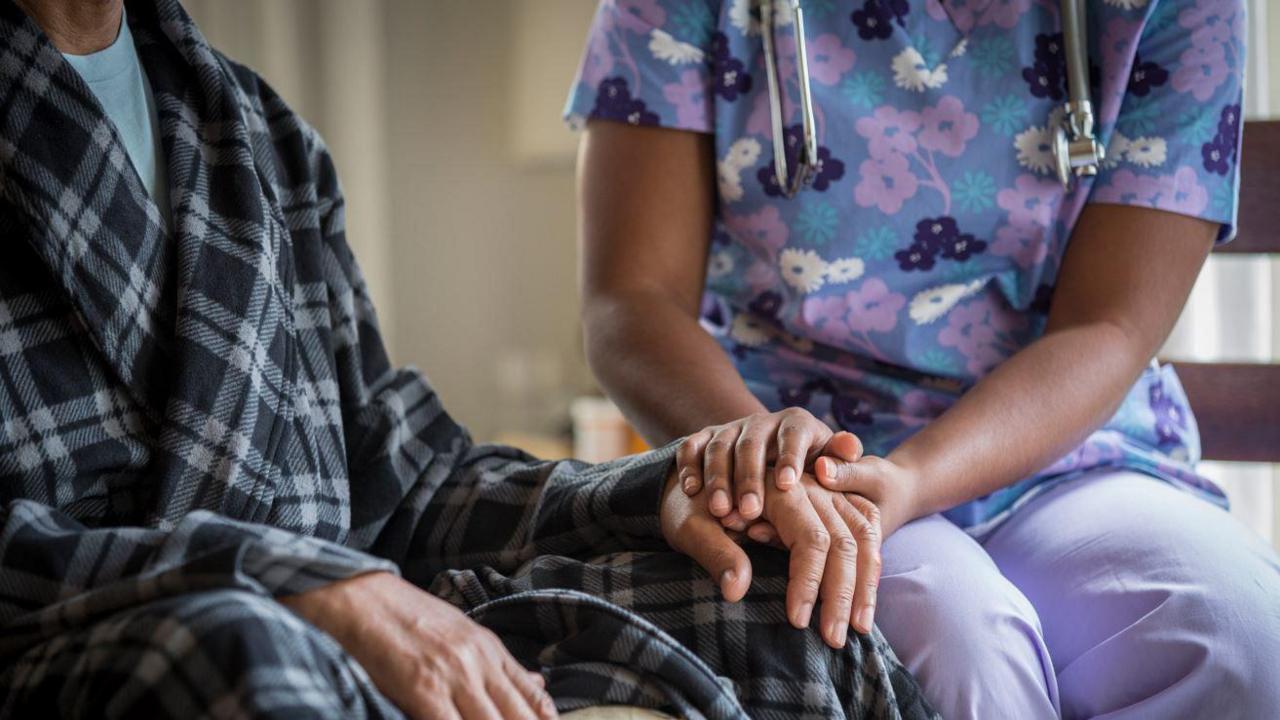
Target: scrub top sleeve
x=649 y=62
x=1176 y=139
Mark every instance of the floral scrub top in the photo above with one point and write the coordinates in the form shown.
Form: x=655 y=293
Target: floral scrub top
x=926 y=250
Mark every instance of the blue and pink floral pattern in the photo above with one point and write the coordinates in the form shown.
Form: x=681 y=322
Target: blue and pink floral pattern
x=926 y=251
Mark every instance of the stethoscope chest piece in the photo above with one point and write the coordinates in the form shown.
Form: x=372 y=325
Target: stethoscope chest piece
x=1076 y=152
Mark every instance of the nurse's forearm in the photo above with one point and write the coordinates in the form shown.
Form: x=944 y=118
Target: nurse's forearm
x=1125 y=276
x=666 y=373
x=1030 y=411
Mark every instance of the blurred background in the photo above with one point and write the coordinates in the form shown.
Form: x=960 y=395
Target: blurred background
x=444 y=121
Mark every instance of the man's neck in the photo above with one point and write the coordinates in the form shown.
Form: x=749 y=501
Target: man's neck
x=77 y=27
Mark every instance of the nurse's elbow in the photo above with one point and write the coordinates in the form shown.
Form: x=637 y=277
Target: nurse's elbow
x=607 y=322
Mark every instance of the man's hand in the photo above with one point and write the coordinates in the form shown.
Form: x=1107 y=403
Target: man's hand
x=833 y=538
x=423 y=653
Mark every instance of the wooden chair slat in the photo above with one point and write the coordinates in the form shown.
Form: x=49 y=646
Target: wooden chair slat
x=1237 y=406
x=1258 y=228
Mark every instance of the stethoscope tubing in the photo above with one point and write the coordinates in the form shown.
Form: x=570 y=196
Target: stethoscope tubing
x=1075 y=149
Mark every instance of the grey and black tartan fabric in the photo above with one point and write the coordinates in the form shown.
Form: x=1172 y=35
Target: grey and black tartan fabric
x=194 y=423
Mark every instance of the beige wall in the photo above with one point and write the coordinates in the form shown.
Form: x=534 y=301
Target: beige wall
x=463 y=223
x=484 y=246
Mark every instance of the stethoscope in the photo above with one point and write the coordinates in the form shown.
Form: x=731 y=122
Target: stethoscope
x=1076 y=151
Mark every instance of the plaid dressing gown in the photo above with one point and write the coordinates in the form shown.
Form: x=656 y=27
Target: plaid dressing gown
x=193 y=423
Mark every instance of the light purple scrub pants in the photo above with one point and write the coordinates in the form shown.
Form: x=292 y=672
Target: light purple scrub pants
x=1114 y=595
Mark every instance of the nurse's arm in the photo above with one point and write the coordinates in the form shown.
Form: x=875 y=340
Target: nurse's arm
x=1125 y=277
x=646 y=199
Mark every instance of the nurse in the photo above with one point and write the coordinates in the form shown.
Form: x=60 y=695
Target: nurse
x=927 y=284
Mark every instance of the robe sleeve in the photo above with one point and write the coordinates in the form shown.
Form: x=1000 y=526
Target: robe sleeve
x=423 y=494
x=500 y=508
x=56 y=573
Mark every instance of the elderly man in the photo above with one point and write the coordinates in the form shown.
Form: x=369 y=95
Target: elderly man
x=218 y=499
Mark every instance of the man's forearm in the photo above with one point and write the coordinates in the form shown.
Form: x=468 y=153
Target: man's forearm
x=1030 y=411
x=668 y=375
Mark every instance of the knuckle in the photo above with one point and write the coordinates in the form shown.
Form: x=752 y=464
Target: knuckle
x=818 y=538
x=722 y=559
x=425 y=675
x=844 y=595
x=845 y=544
x=872 y=583
x=869 y=531
x=876 y=463
x=682 y=533
x=718 y=446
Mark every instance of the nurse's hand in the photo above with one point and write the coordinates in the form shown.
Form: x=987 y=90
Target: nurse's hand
x=887 y=482
x=833 y=540
x=730 y=460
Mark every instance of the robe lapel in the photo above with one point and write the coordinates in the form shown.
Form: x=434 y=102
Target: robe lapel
x=197 y=325
x=83 y=209
x=230 y=405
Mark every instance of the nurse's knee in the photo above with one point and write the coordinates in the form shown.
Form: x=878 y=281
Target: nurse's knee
x=1211 y=640
x=949 y=612
x=1230 y=640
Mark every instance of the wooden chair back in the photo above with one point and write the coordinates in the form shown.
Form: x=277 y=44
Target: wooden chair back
x=1237 y=405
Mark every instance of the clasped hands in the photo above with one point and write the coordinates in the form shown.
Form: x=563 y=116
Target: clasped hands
x=435 y=663
x=749 y=478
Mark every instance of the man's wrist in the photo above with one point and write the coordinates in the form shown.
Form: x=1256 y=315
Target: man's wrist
x=329 y=606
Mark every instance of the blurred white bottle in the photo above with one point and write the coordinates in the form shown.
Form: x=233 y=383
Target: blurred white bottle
x=600 y=432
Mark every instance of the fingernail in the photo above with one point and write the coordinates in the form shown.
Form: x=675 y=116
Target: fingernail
x=786 y=477
x=690 y=483
x=727 y=578
x=801 y=620
x=823 y=468
x=750 y=505
x=837 y=631
x=866 y=616
x=720 y=501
